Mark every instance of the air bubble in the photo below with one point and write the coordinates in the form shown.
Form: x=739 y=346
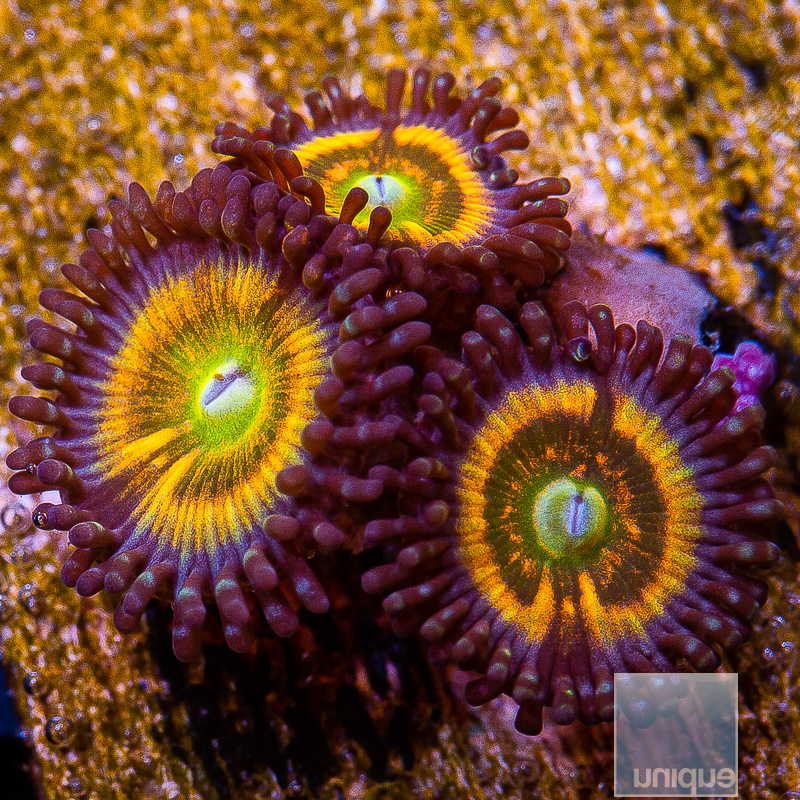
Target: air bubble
x=14 y=518
x=59 y=731
x=35 y=684
x=580 y=349
x=21 y=554
x=75 y=787
x=28 y=598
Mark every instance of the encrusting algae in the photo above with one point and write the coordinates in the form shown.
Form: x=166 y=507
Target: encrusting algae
x=676 y=126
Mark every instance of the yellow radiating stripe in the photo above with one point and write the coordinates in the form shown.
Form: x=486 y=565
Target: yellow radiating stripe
x=156 y=506
x=188 y=511
x=131 y=455
x=605 y=623
x=325 y=145
x=418 y=233
x=225 y=522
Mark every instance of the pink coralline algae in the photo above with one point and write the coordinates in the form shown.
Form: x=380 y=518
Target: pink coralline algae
x=754 y=370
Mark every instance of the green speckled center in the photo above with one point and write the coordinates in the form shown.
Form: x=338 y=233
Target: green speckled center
x=569 y=517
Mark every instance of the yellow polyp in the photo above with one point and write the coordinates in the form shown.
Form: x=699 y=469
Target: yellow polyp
x=207 y=400
x=437 y=197
x=571 y=408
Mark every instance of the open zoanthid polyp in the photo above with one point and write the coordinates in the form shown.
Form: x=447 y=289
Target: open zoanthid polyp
x=251 y=378
x=459 y=219
x=585 y=507
x=189 y=415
